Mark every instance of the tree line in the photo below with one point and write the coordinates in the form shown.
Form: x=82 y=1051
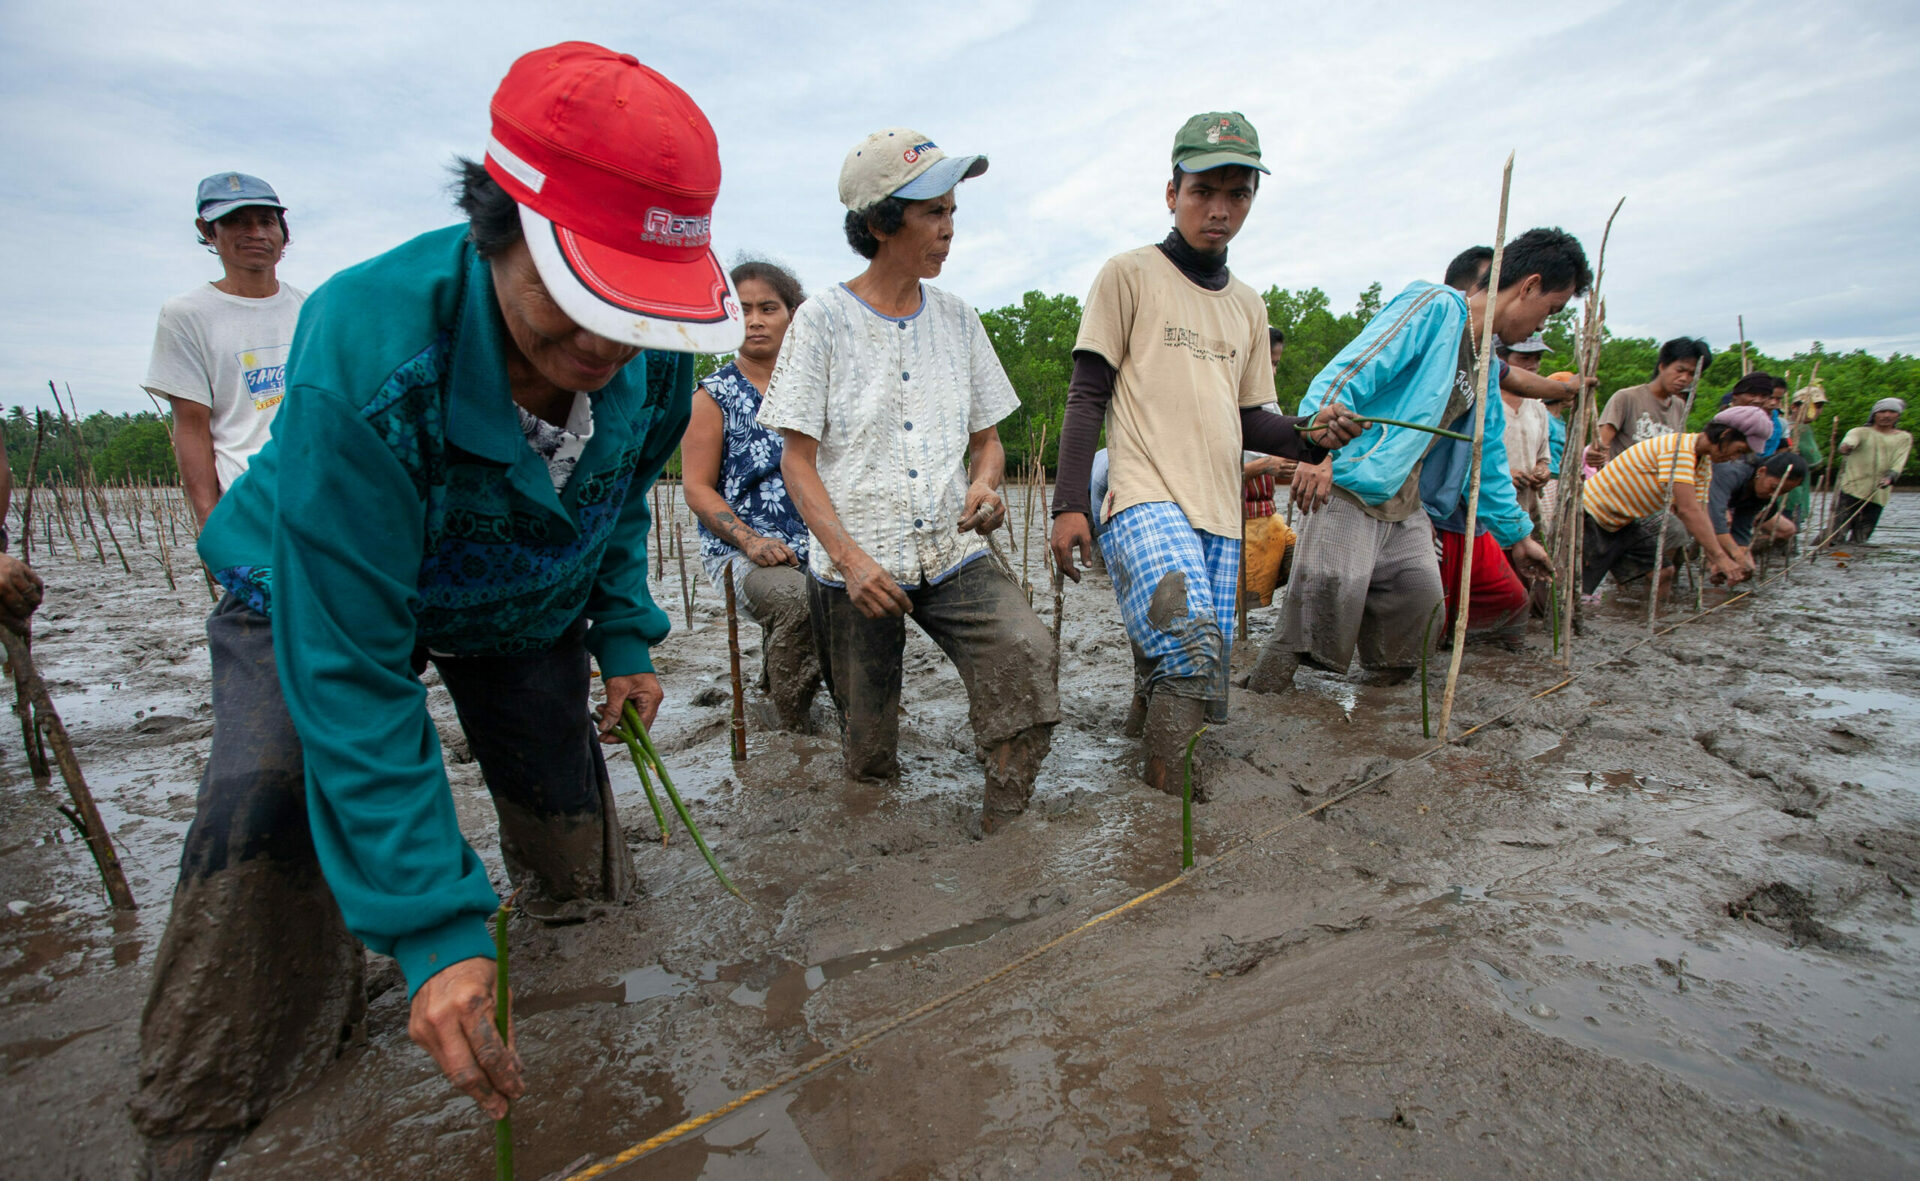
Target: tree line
x=1034 y=339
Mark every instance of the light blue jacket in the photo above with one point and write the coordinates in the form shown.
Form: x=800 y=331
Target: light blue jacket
x=1403 y=365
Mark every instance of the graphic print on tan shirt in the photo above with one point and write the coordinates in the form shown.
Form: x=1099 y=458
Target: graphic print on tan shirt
x=1185 y=359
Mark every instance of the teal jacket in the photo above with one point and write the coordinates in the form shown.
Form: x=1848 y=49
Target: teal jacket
x=398 y=507
x=1403 y=365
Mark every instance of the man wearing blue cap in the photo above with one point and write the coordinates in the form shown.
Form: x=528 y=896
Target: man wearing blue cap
x=220 y=351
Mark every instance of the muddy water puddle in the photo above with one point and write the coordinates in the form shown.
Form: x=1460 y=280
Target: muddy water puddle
x=778 y=986
x=1817 y=1034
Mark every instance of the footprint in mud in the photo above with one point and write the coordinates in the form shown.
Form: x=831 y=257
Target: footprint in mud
x=1227 y=956
x=1783 y=908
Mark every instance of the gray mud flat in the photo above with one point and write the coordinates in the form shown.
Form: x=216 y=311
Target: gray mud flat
x=1658 y=924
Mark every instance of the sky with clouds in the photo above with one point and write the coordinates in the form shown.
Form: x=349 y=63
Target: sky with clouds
x=1767 y=151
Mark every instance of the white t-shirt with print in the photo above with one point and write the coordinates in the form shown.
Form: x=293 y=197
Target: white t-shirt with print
x=228 y=353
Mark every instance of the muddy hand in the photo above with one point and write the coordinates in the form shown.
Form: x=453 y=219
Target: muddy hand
x=1335 y=427
x=1312 y=485
x=452 y=1019
x=20 y=592
x=873 y=591
x=1072 y=532
x=643 y=689
x=984 y=512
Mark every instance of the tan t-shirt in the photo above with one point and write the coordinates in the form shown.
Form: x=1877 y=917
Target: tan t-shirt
x=1638 y=414
x=1186 y=360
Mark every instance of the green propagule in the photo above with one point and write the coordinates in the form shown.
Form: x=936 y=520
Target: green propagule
x=633 y=732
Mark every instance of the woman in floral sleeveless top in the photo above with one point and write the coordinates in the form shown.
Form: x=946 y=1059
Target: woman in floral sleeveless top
x=749 y=531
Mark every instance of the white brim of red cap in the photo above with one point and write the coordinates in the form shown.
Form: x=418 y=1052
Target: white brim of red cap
x=684 y=307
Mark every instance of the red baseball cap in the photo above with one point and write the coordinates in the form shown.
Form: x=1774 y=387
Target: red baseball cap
x=616 y=169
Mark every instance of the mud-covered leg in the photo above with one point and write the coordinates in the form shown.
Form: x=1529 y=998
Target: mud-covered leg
x=1004 y=654
x=257 y=983
x=527 y=722
x=776 y=596
x=1136 y=723
x=1174 y=715
x=1400 y=594
x=860 y=659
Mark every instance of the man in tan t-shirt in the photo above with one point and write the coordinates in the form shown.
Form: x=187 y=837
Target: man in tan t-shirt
x=1641 y=412
x=1173 y=357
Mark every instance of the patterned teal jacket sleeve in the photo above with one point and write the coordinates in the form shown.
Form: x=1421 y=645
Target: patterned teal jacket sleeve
x=623 y=620
x=344 y=631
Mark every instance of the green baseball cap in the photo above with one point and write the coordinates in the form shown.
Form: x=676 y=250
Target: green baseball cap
x=1215 y=140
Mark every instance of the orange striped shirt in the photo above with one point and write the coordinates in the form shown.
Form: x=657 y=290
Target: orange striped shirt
x=1634 y=483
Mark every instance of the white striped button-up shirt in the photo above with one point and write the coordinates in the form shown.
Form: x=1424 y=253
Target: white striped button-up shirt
x=892 y=402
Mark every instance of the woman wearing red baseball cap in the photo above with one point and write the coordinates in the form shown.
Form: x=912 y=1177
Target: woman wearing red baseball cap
x=458 y=476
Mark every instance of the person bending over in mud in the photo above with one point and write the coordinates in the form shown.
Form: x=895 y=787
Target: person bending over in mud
x=1747 y=503
x=888 y=393
x=749 y=530
x=459 y=477
x=1760 y=390
x=1364 y=572
x=1174 y=357
x=1624 y=501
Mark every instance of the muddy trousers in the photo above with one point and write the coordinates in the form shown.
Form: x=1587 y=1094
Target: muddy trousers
x=257 y=982
x=1358 y=581
x=1860 y=518
x=775 y=597
x=1002 y=650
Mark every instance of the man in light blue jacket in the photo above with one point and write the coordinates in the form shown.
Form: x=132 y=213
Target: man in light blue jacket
x=1365 y=571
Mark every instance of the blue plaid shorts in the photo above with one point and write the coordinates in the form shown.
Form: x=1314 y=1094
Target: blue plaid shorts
x=1145 y=543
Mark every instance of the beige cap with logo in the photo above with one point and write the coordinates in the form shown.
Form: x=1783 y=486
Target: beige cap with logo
x=901 y=162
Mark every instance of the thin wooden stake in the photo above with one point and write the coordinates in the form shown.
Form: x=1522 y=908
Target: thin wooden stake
x=1483 y=393
x=1666 y=505
x=33 y=475
x=733 y=664
x=686 y=588
x=99 y=840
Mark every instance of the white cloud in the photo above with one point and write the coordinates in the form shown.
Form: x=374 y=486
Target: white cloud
x=1765 y=149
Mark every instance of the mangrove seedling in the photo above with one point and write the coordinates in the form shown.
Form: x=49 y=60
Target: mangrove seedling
x=1186 y=805
x=634 y=732
x=502 y=1021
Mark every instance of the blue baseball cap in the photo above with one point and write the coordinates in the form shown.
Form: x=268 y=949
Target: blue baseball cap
x=225 y=192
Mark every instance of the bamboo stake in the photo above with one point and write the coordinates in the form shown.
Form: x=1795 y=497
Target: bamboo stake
x=1483 y=393
x=1832 y=490
x=660 y=531
x=33 y=474
x=83 y=470
x=85 y=813
x=66 y=522
x=733 y=664
x=686 y=588
x=1666 y=506
x=1746 y=366
x=1569 y=514
x=23 y=709
x=166 y=552
x=1059 y=615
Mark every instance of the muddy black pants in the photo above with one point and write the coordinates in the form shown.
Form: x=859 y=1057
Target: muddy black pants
x=257 y=984
x=985 y=626
x=1854 y=520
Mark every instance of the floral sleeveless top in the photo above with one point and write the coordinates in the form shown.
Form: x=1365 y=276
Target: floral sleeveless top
x=750 y=480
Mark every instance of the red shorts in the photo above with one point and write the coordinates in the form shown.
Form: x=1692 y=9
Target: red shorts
x=1499 y=597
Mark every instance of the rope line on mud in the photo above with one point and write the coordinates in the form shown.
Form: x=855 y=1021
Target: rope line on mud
x=1236 y=849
